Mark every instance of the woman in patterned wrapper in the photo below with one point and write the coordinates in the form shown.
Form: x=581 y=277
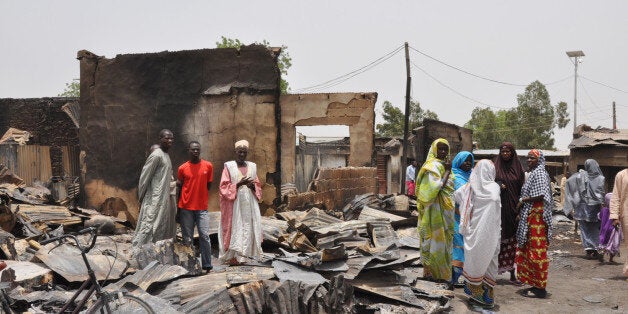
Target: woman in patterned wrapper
x=535 y=227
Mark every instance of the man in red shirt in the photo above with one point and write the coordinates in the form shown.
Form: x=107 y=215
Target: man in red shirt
x=195 y=177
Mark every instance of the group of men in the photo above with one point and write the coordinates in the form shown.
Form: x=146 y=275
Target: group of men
x=240 y=190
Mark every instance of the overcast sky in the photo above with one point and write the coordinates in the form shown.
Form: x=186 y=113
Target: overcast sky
x=512 y=42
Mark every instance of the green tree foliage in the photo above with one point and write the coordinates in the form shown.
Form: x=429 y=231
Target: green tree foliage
x=284 y=61
x=72 y=89
x=484 y=123
x=394 y=119
x=530 y=125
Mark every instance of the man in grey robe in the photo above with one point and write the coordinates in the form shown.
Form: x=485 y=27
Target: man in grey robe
x=157 y=196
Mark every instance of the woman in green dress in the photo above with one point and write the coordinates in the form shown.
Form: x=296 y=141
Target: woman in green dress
x=434 y=193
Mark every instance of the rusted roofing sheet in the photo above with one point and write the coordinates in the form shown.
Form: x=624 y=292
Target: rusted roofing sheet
x=586 y=141
x=371 y=214
x=382 y=233
x=285 y=271
x=184 y=290
x=387 y=285
x=409 y=237
x=212 y=302
x=190 y=289
x=47 y=214
x=66 y=261
x=153 y=272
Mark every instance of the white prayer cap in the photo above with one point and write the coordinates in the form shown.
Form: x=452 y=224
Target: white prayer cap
x=242 y=143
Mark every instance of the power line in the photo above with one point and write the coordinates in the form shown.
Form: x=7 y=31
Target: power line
x=559 y=81
x=347 y=76
x=464 y=71
x=589 y=96
x=480 y=76
x=453 y=90
x=605 y=85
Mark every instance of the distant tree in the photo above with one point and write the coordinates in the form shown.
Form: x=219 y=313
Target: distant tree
x=72 y=89
x=394 y=119
x=530 y=125
x=284 y=61
x=484 y=124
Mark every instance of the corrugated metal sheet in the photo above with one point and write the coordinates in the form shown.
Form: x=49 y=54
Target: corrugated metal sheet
x=8 y=156
x=616 y=135
x=33 y=163
x=71 y=163
x=382 y=174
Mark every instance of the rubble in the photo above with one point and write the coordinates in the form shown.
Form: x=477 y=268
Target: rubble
x=316 y=259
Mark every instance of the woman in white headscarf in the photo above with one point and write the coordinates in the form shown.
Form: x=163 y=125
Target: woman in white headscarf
x=585 y=195
x=480 y=221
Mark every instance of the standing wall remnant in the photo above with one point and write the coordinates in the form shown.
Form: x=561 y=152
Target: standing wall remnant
x=214 y=96
x=356 y=110
x=49 y=127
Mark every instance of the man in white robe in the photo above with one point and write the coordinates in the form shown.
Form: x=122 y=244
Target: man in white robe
x=157 y=195
x=240 y=236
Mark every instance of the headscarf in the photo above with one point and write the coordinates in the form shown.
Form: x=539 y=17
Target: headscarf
x=574 y=191
x=432 y=164
x=538 y=183
x=536 y=153
x=607 y=199
x=594 y=183
x=510 y=173
x=462 y=177
x=479 y=194
x=433 y=152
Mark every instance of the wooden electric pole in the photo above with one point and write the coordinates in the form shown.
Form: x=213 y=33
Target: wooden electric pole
x=404 y=159
x=614 y=117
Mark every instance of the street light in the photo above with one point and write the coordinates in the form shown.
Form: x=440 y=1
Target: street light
x=575 y=54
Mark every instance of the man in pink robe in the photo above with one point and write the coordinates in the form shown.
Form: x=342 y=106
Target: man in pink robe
x=240 y=235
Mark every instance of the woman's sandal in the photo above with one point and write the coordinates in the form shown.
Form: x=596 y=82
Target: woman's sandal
x=534 y=293
x=516 y=282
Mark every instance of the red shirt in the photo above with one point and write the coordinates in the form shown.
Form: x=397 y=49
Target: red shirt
x=194 y=194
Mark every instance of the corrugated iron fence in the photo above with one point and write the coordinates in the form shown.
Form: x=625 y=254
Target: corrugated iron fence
x=32 y=162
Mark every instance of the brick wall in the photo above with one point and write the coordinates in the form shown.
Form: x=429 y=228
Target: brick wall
x=333 y=188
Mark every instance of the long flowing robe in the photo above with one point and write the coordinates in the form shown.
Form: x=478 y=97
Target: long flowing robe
x=410 y=177
x=509 y=173
x=480 y=211
x=157 y=195
x=610 y=237
x=240 y=233
x=436 y=215
x=619 y=207
x=461 y=178
x=535 y=228
x=585 y=195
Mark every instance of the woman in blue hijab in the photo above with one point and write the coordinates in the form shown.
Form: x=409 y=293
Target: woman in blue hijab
x=461 y=167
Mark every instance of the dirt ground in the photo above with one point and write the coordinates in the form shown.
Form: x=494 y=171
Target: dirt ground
x=575 y=284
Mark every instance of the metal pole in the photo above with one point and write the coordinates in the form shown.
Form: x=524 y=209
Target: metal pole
x=575 y=94
x=614 y=117
x=404 y=160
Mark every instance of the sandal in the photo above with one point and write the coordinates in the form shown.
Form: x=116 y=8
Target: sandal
x=516 y=282
x=534 y=293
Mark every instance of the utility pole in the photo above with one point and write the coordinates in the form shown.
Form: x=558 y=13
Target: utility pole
x=614 y=117
x=404 y=159
x=575 y=55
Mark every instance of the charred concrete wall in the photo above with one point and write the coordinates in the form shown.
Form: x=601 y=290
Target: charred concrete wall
x=45 y=120
x=214 y=96
x=356 y=110
x=459 y=138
